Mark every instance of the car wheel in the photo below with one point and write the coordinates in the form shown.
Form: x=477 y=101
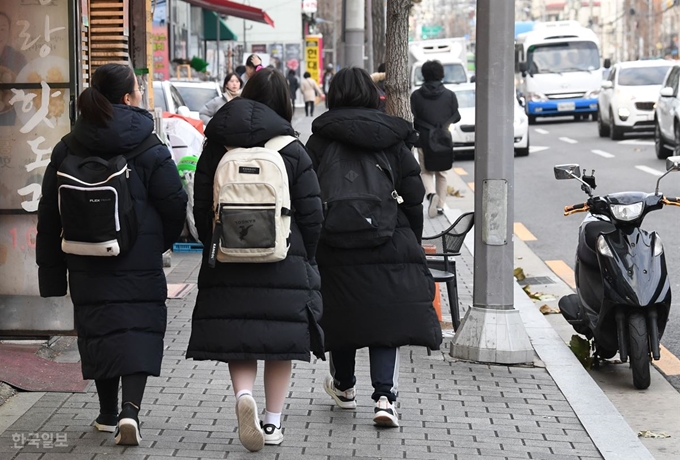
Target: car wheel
x=523 y=152
x=615 y=133
x=593 y=116
x=662 y=152
x=602 y=128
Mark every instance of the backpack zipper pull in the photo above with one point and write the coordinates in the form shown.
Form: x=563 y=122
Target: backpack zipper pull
x=127 y=173
x=397 y=197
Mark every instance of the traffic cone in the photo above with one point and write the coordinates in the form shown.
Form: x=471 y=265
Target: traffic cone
x=437 y=303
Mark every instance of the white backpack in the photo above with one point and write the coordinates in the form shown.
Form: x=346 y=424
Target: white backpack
x=252 y=205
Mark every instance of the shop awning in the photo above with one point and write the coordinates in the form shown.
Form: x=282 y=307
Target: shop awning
x=210 y=27
x=237 y=10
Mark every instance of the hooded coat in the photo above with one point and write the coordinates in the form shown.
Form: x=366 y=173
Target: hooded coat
x=265 y=311
x=379 y=296
x=119 y=302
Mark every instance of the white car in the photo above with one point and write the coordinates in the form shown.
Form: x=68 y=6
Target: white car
x=667 y=116
x=197 y=93
x=167 y=98
x=626 y=101
x=463 y=132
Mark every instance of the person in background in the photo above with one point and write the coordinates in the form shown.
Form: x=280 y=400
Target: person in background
x=379 y=80
x=119 y=302
x=380 y=297
x=435 y=105
x=240 y=71
x=293 y=85
x=230 y=89
x=250 y=312
x=327 y=77
x=310 y=90
x=253 y=64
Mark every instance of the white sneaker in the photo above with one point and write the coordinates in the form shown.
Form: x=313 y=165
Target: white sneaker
x=272 y=435
x=432 y=209
x=249 y=431
x=344 y=399
x=385 y=413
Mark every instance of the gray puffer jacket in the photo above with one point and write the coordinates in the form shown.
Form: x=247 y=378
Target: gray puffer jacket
x=212 y=106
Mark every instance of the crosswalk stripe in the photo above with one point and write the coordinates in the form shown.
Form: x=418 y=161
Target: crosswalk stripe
x=648 y=170
x=537 y=148
x=542 y=131
x=562 y=270
x=602 y=153
x=522 y=232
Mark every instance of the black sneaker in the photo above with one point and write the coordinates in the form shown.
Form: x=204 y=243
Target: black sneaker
x=106 y=423
x=128 y=433
x=272 y=434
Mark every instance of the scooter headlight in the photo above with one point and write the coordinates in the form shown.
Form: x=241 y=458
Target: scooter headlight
x=626 y=212
x=658 y=245
x=603 y=248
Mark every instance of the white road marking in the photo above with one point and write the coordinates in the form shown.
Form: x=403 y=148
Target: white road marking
x=602 y=153
x=541 y=131
x=648 y=170
x=536 y=148
x=636 y=142
x=568 y=140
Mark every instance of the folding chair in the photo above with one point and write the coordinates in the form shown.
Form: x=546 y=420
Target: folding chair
x=443 y=265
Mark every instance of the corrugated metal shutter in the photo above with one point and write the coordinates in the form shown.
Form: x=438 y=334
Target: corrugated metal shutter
x=108 y=33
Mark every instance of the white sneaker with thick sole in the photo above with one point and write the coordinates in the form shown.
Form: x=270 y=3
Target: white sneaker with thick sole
x=432 y=210
x=272 y=435
x=344 y=399
x=128 y=433
x=249 y=431
x=385 y=413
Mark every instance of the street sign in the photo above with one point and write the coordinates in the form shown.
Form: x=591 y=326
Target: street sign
x=431 y=30
x=313 y=57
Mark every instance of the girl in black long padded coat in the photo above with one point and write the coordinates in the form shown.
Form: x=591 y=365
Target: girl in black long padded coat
x=379 y=297
x=119 y=302
x=247 y=312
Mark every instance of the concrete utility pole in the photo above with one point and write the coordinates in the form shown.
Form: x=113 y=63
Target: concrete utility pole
x=492 y=330
x=369 y=32
x=354 y=33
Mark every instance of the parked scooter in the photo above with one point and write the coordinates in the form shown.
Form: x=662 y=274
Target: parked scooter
x=623 y=295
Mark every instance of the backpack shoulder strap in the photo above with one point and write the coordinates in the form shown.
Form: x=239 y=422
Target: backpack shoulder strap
x=278 y=143
x=146 y=144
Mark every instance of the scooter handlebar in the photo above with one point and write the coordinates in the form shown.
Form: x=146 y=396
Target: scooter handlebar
x=573 y=209
x=671 y=201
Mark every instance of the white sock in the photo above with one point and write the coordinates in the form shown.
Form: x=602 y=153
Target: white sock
x=271 y=418
x=243 y=392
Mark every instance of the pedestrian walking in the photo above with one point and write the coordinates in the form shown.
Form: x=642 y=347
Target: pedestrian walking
x=253 y=64
x=310 y=90
x=434 y=108
x=119 y=302
x=327 y=77
x=250 y=312
x=231 y=88
x=379 y=78
x=376 y=286
x=293 y=85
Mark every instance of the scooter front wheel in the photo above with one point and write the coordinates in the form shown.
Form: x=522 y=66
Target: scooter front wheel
x=638 y=350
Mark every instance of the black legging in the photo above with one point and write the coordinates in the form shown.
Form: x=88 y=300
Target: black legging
x=309 y=108
x=133 y=391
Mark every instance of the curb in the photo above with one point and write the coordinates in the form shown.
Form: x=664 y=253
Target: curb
x=607 y=428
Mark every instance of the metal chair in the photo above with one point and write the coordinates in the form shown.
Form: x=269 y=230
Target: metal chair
x=443 y=265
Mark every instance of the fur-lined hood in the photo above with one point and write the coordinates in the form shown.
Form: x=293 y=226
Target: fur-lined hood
x=378 y=77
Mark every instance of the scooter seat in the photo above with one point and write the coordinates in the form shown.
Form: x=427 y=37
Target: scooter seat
x=587 y=244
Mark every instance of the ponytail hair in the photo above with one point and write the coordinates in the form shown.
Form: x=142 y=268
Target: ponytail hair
x=109 y=84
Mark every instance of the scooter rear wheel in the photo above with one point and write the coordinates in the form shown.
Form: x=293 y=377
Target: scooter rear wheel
x=638 y=350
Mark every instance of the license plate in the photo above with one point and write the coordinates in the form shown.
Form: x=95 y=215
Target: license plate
x=566 y=106
x=469 y=138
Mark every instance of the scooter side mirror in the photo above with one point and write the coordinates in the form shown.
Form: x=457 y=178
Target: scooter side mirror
x=673 y=164
x=563 y=172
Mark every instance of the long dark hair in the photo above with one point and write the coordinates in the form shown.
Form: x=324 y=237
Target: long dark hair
x=353 y=87
x=271 y=89
x=228 y=77
x=109 y=84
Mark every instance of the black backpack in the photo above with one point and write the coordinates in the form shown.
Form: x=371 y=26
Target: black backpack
x=438 y=144
x=359 y=197
x=95 y=202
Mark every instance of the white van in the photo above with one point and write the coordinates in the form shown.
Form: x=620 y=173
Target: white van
x=451 y=52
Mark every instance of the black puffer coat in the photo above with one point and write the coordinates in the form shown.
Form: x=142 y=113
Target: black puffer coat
x=120 y=313
x=267 y=311
x=379 y=296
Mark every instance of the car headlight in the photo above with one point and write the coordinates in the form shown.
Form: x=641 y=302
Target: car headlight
x=603 y=248
x=626 y=212
x=452 y=128
x=537 y=97
x=658 y=245
x=624 y=112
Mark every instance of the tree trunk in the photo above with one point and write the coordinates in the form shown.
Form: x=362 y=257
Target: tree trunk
x=396 y=59
x=378 y=33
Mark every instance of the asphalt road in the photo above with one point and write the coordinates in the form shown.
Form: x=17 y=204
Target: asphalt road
x=619 y=166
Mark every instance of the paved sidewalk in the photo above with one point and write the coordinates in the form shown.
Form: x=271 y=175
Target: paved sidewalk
x=449 y=410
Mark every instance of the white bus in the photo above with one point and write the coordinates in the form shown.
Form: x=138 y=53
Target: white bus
x=558 y=70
